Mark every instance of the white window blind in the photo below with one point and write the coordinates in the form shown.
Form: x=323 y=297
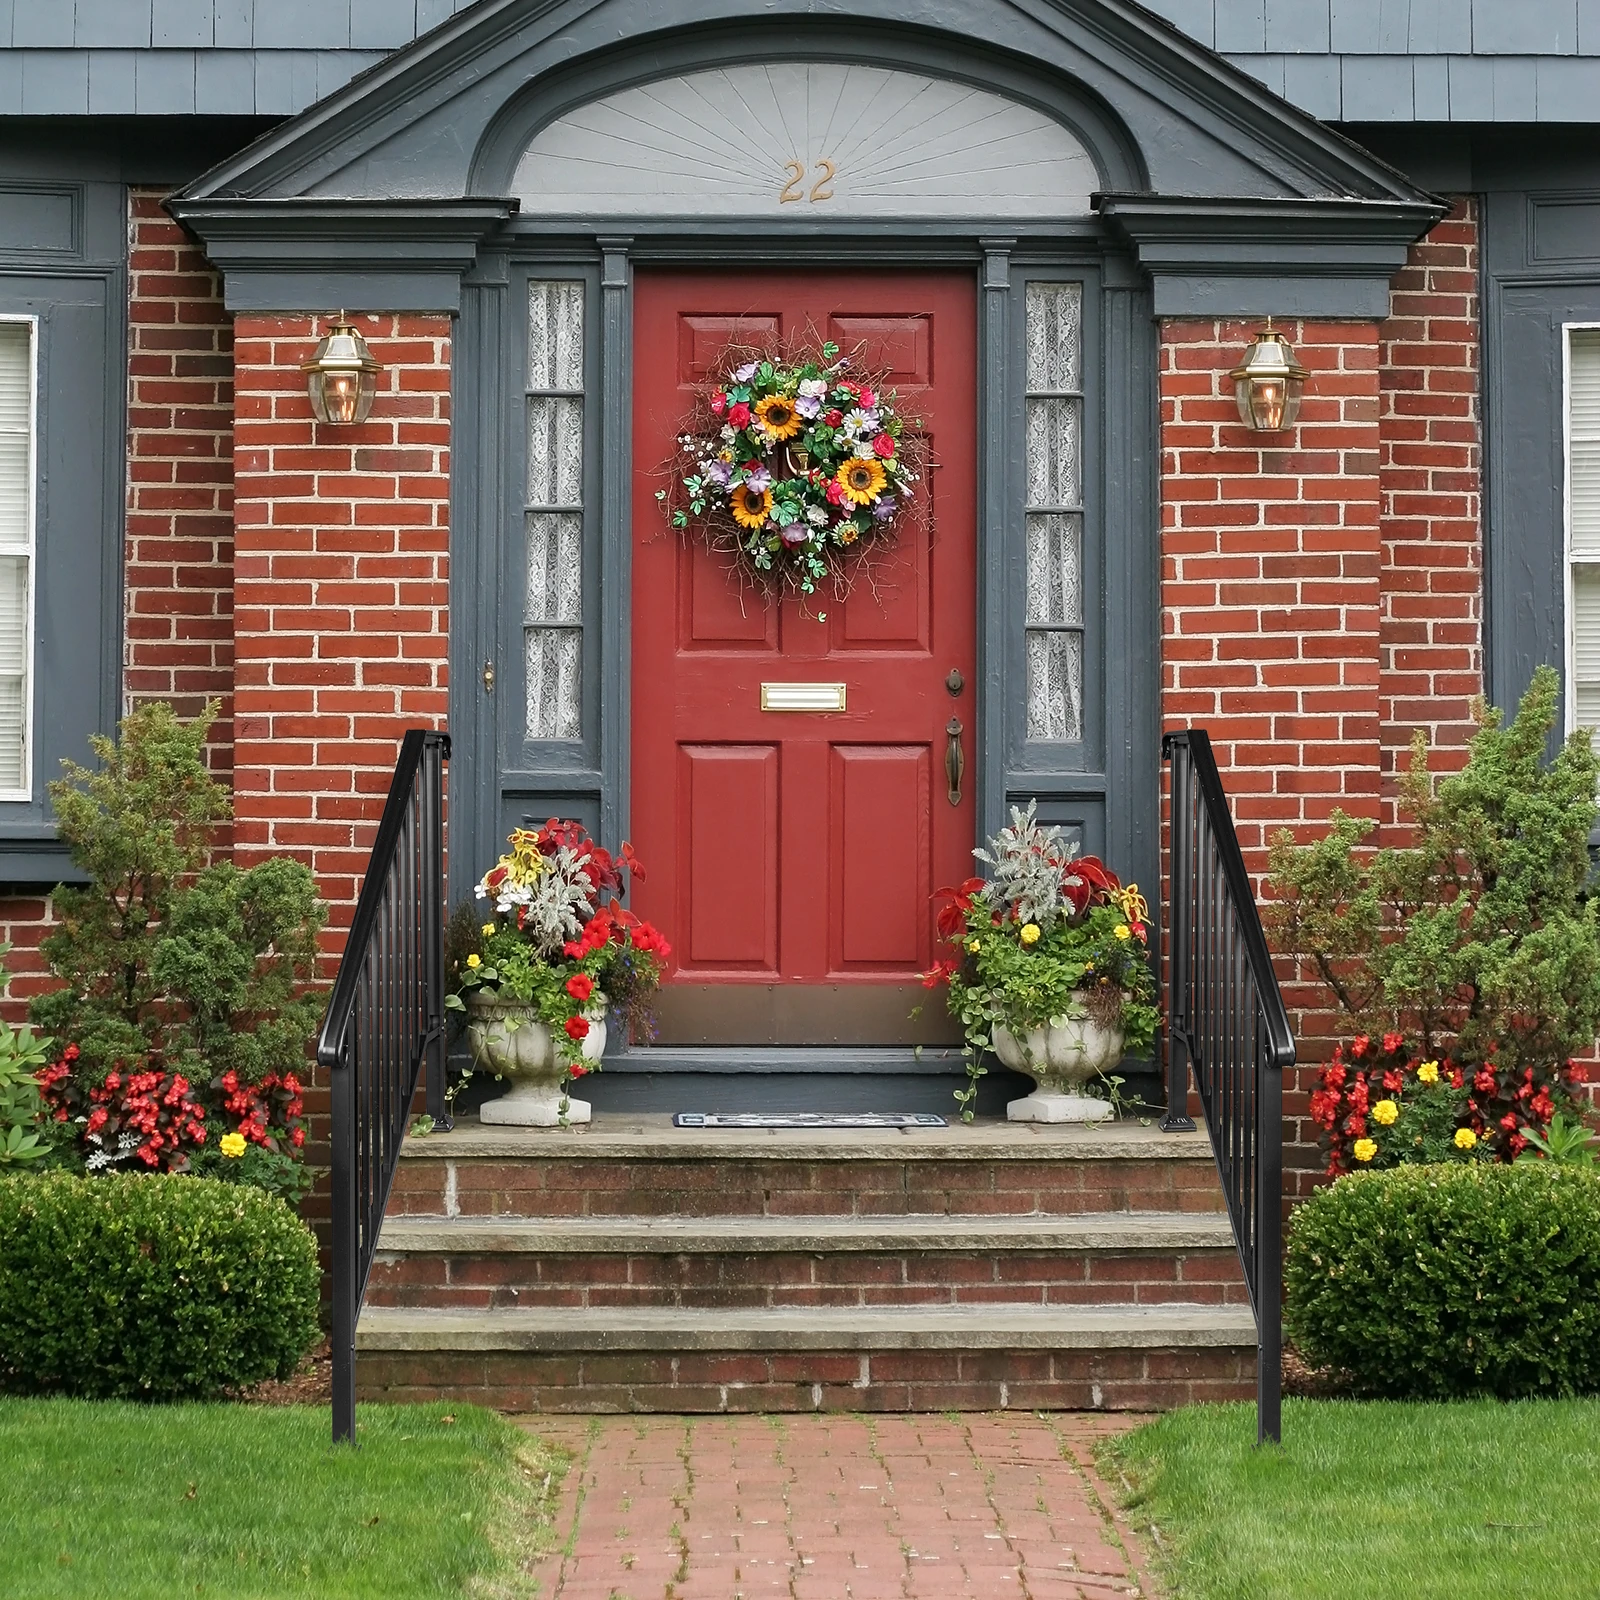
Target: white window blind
x=16 y=551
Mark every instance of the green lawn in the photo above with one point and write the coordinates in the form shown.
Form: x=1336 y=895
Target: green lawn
x=129 y=1502
x=1369 y=1501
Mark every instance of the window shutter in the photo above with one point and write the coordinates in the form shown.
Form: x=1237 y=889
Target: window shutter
x=16 y=549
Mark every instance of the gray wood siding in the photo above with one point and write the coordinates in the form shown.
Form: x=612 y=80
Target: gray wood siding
x=1342 y=60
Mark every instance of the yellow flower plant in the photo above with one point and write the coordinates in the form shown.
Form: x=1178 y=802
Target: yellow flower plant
x=232 y=1145
x=1386 y=1112
x=1365 y=1149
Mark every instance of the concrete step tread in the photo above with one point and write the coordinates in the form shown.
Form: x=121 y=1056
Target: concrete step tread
x=616 y=1137
x=1103 y=1230
x=979 y=1327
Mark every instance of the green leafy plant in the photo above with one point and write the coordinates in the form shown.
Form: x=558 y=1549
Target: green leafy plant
x=1568 y=1141
x=178 y=974
x=1049 y=936
x=25 y=1130
x=1438 y=1282
x=1475 y=939
x=150 y=1287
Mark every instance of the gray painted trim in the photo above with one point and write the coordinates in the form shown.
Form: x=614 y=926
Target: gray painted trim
x=997 y=424
x=1328 y=258
x=311 y=255
x=80 y=298
x=1116 y=42
x=616 y=537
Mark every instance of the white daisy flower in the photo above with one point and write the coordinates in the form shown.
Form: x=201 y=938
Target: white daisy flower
x=859 y=421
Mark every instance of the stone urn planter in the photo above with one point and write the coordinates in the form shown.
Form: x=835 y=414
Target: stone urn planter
x=1061 y=1056
x=508 y=1039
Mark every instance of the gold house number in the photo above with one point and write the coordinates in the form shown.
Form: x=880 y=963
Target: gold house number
x=795 y=188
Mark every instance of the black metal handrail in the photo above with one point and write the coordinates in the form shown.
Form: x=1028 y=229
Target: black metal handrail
x=385 y=1019
x=1226 y=1021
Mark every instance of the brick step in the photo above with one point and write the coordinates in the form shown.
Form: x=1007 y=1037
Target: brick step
x=1098 y=1257
x=1118 y=1357
x=643 y=1166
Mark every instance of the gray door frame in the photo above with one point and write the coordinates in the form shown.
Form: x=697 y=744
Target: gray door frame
x=1107 y=787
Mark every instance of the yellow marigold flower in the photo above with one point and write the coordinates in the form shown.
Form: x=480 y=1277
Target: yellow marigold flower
x=474 y=961
x=974 y=945
x=1466 y=1139
x=1428 y=1072
x=1030 y=933
x=1385 y=1111
x=1124 y=931
x=1365 y=1149
x=232 y=1144
x=488 y=928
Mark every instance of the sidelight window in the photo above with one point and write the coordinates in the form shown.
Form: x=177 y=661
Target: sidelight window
x=553 y=609
x=1054 y=511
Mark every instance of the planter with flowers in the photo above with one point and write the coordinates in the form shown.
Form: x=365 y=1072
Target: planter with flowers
x=538 y=972
x=1051 y=971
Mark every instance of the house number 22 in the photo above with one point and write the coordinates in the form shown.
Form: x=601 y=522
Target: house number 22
x=795 y=188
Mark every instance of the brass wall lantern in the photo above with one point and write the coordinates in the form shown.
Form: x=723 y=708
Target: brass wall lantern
x=1268 y=383
x=342 y=376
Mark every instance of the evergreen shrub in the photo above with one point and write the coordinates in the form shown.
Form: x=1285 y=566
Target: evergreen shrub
x=1445 y=1282
x=150 y=1287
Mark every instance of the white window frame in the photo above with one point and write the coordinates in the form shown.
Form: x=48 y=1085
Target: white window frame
x=28 y=550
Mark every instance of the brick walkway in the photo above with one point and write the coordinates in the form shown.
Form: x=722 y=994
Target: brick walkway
x=836 y=1508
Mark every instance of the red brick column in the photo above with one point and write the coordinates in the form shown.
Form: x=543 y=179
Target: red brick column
x=1272 y=602
x=342 y=591
x=1430 y=478
x=178 y=643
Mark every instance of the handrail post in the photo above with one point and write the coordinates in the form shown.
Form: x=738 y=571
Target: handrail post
x=1179 y=912
x=345 y=1249
x=433 y=932
x=1269 y=1248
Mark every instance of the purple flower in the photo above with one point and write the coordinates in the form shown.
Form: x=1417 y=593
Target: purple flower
x=796 y=533
x=745 y=373
x=807 y=406
x=884 y=508
x=718 y=472
x=759 y=479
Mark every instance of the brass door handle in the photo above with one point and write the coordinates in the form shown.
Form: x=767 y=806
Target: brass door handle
x=955 y=764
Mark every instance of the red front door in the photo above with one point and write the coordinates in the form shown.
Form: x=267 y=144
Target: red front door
x=792 y=855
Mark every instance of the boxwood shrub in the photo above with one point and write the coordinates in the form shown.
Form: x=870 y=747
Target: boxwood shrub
x=151 y=1287
x=1433 y=1282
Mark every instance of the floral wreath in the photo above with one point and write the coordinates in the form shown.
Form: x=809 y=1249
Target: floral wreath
x=795 y=468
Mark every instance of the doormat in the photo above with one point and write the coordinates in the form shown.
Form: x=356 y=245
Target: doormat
x=808 y=1119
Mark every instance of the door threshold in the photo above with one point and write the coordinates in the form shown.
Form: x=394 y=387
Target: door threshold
x=884 y=1059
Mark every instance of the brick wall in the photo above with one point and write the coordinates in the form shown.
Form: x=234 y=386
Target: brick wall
x=1322 y=593
x=1271 y=601
x=342 y=592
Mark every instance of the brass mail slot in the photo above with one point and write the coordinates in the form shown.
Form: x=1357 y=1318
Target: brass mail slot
x=802 y=697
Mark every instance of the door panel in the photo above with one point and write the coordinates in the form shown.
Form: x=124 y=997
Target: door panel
x=798 y=850
x=737 y=929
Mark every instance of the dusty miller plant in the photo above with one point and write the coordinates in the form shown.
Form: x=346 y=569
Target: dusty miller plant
x=1028 y=866
x=167 y=958
x=1476 y=936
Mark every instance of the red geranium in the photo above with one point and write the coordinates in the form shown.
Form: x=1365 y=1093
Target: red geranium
x=580 y=986
x=577 y=1028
